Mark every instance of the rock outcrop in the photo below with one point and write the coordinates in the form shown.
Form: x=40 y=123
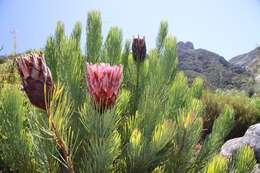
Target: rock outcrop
x=249 y=60
x=214 y=68
x=251 y=138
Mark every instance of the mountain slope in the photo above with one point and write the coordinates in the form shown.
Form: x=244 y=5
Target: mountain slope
x=250 y=60
x=217 y=72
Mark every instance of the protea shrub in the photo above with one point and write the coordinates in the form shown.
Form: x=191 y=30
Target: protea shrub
x=156 y=127
x=103 y=83
x=139 y=49
x=36 y=79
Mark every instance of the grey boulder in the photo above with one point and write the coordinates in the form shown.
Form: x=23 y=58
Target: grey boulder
x=251 y=138
x=257 y=169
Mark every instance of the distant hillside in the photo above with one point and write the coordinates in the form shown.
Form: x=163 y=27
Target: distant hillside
x=4 y=58
x=217 y=72
x=250 y=60
x=247 y=59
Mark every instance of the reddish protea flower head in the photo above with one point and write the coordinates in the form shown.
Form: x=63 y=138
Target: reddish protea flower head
x=139 y=49
x=103 y=83
x=35 y=75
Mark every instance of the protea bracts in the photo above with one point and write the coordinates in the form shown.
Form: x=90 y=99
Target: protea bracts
x=36 y=78
x=103 y=84
x=139 y=49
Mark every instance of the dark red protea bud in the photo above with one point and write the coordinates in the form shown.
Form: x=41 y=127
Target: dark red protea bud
x=36 y=78
x=103 y=83
x=139 y=49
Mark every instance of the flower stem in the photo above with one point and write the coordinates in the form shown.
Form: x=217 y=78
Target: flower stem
x=61 y=148
x=137 y=86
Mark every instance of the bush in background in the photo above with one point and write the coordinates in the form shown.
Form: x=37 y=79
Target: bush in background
x=246 y=109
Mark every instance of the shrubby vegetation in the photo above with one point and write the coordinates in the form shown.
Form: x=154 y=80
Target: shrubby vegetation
x=8 y=73
x=156 y=124
x=246 y=109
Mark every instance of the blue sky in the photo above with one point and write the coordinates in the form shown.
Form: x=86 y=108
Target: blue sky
x=227 y=27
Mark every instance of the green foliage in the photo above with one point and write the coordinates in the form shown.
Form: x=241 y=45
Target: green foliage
x=113 y=46
x=125 y=54
x=102 y=144
x=221 y=128
x=244 y=160
x=64 y=58
x=246 y=109
x=217 y=165
x=59 y=115
x=54 y=140
x=60 y=33
x=72 y=70
x=44 y=146
x=2 y=60
x=163 y=31
x=52 y=50
x=180 y=94
x=14 y=137
x=197 y=88
x=8 y=73
x=94 y=36
x=76 y=33
x=169 y=59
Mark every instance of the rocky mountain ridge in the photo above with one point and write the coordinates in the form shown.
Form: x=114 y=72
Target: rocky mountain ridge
x=250 y=61
x=215 y=69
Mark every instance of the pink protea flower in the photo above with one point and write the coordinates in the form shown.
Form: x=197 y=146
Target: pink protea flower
x=103 y=83
x=35 y=75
